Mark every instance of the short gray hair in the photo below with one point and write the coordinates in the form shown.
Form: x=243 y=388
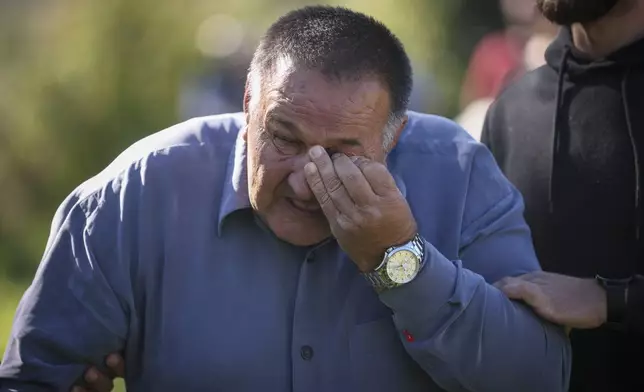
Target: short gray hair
x=390 y=131
x=338 y=42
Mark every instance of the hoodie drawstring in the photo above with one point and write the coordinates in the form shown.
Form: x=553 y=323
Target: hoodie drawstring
x=636 y=158
x=555 y=126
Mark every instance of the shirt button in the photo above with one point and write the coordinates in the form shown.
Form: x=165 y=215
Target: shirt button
x=306 y=352
x=310 y=257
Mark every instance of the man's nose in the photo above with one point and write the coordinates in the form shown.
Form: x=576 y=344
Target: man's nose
x=297 y=180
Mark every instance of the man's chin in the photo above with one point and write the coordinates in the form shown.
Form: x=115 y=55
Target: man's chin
x=299 y=231
x=305 y=234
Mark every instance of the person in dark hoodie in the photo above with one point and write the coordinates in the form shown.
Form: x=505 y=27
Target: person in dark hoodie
x=570 y=136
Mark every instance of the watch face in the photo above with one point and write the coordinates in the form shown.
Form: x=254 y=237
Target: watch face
x=402 y=266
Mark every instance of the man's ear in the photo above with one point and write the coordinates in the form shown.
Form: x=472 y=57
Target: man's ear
x=247 y=95
x=247 y=100
x=399 y=131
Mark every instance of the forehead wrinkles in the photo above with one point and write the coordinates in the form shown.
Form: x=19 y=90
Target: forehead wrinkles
x=321 y=103
x=326 y=114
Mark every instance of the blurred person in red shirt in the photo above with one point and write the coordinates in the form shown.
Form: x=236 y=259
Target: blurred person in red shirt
x=499 y=55
x=501 y=58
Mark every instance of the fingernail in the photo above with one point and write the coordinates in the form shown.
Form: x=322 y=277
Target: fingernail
x=336 y=155
x=310 y=168
x=316 y=152
x=91 y=375
x=354 y=158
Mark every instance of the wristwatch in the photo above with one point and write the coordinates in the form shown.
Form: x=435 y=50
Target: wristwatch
x=400 y=265
x=616 y=298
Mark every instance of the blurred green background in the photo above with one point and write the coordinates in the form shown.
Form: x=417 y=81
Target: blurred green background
x=82 y=80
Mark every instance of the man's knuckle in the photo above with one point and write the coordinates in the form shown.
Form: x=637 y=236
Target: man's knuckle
x=373 y=213
x=533 y=276
x=533 y=291
x=317 y=185
x=346 y=223
x=501 y=282
x=334 y=185
x=350 y=177
x=372 y=166
x=361 y=163
x=324 y=198
x=360 y=220
x=365 y=166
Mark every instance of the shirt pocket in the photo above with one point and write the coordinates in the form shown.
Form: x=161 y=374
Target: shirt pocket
x=379 y=361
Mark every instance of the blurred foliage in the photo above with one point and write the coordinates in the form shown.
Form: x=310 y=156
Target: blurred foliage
x=82 y=80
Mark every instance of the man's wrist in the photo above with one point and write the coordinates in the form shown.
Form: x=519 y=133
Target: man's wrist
x=602 y=308
x=405 y=268
x=616 y=299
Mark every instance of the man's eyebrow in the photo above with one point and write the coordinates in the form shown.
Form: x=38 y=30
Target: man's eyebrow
x=274 y=119
x=295 y=130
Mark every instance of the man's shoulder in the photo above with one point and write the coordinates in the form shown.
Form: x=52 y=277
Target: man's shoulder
x=441 y=166
x=522 y=112
x=432 y=135
x=535 y=89
x=201 y=141
x=434 y=148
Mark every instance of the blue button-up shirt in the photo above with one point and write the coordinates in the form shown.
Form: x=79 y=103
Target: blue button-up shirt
x=161 y=257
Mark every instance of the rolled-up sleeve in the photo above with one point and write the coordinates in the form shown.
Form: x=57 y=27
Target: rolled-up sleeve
x=71 y=316
x=467 y=335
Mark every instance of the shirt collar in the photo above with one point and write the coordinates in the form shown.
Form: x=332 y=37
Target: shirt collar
x=235 y=192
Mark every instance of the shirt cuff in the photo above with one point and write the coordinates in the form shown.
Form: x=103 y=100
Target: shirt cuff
x=433 y=296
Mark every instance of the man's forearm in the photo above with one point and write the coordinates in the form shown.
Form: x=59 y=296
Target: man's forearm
x=467 y=334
